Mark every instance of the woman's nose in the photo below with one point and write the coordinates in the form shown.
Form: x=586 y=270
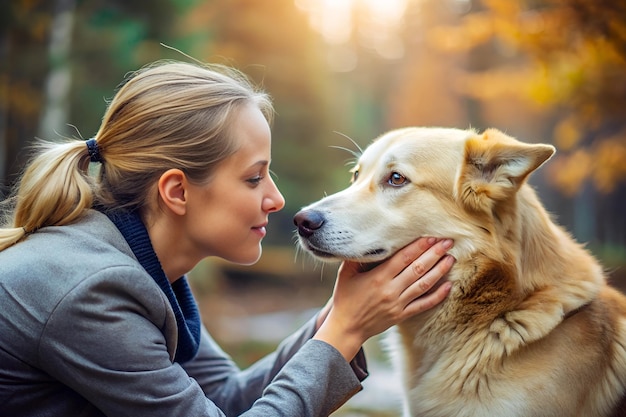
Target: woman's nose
x=274 y=201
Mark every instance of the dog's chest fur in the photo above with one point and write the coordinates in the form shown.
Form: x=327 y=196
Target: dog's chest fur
x=461 y=325
x=473 y=356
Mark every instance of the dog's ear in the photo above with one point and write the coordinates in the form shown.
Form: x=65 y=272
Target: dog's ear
x=495 y=166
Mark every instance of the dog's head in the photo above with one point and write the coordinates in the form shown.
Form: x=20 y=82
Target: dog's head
x=416 y=182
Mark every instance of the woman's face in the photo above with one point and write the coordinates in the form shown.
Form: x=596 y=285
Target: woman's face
x=227 y=216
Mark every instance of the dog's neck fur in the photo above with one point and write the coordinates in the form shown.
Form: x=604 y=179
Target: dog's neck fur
x=500 y=297
x=507 y=280
x=541 y=238
x=521 y=235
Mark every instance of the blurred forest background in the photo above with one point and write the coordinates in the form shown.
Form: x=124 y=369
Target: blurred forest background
x=542 y=70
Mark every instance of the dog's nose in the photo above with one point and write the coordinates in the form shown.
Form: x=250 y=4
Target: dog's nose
x=308 y=221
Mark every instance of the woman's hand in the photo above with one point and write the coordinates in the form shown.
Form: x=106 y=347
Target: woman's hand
x=365 y=304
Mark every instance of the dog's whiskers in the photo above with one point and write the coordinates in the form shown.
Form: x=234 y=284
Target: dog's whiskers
x=316 y=262
x=357 y=154
x=360 y=150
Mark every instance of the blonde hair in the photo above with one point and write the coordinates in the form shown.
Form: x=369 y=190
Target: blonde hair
x=166 y=115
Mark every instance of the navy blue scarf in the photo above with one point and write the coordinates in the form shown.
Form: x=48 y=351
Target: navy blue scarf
x=178 y=293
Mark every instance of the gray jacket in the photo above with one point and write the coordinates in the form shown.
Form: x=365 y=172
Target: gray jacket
x=85 y=331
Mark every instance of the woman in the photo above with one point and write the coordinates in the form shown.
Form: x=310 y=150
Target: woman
x=97 y=316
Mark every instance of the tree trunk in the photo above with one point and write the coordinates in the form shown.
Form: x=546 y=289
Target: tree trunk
x=54 y=117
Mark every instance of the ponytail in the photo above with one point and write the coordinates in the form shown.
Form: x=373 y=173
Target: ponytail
x=54 y=190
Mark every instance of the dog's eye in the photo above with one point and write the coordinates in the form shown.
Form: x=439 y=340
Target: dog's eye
x=396 y=179
x=355 y=175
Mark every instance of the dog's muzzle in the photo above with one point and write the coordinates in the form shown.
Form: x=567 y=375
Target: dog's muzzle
x=330 y=243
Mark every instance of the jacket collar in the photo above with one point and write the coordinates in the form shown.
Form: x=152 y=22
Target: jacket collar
x=178 y=293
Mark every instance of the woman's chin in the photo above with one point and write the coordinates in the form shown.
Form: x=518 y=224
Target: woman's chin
x=247 y=258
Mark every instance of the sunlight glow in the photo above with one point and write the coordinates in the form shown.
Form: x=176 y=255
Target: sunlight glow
x=373 y=24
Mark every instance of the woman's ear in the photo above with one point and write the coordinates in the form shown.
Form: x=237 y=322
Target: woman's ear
x=173 y=190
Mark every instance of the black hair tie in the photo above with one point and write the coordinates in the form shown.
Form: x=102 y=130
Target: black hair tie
x=94 y=152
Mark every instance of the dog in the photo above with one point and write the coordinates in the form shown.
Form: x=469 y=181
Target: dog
x=530 y=327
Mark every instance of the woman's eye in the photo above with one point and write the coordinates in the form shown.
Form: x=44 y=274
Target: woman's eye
x=396 y=179
x=255 y=180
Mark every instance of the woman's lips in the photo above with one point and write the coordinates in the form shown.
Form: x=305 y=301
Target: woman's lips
x=260 y=230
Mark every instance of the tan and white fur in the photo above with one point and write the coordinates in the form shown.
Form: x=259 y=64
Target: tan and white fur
x=531 y=327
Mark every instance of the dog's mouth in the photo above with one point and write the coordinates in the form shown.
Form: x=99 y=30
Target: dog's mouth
x=321 y=253
x=373 y=256
x=375 y=252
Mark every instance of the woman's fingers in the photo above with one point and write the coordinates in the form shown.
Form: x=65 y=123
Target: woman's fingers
x=426 y=302
x=421 y=270
x=425 y=275
x=417 y=295
x=410 y=254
